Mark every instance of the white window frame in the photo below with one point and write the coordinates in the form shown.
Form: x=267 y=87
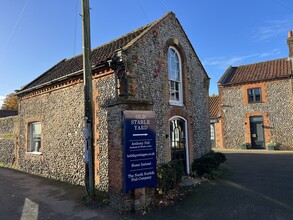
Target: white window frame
x=34 y=141
x=252 y=92
x=212 y=127
x=178 y=82
x=186 y=140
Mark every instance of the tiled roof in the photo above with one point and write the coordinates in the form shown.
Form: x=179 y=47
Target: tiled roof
x=214 y=103
x=268 y=70
x=99 y=56
x=7 y=113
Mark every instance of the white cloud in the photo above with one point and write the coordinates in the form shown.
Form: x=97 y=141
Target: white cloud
x=271 y=29
x=224 y=62
x=1 y=100
x=270 y=53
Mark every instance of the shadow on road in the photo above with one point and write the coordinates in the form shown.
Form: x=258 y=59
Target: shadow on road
x=255 y=185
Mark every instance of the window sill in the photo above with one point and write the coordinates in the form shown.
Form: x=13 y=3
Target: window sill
x=175 y=103
x=34 y=153
x=255 y=102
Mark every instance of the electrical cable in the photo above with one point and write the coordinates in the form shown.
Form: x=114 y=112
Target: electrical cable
x=75 y=27
x=17 y=22
x=283 y=5
x=144 y=12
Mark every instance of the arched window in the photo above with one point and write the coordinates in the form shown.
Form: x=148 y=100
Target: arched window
x=175 y=77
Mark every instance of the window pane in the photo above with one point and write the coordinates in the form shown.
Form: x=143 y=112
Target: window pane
x=256 y=91
x=173 y=65
x=34 y=137
x=212 y=132
x=257 y=95
x=174 y=91
x=174 y=75
x=254 y=95
x=257 y=98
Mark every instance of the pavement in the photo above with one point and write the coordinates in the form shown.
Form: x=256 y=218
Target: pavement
x=29 y=197
x=255 y=185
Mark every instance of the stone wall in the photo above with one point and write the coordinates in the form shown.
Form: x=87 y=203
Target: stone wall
x=8 y=140
x=104 y=94
x=147 y=63
x=276 y=109
x=280 y=111
x=233 y=113
x=61 y=114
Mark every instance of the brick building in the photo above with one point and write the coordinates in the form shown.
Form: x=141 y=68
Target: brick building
x=215 y=122
x=257 y=103
x=152 y=68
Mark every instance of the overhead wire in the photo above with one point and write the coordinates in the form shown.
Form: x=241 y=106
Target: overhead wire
x=144 y=12
x=163 y=6
x=16 y=23
x=283 y=5
x=75 y=26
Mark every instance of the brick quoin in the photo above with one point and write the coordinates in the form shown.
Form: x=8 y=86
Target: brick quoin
x=263 y=88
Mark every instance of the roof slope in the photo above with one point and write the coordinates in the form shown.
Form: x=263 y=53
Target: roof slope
x=99 y=56
x=273 y=69
x=7 y=113
x=214 y=104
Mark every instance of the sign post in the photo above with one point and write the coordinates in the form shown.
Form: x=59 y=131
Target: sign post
x=139 y=150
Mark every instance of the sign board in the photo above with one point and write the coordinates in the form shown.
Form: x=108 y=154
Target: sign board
x=139 y=150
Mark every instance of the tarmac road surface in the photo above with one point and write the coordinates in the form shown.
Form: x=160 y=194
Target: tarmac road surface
x=256 y=185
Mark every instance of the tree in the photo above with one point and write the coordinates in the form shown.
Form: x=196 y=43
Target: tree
x=10 y=102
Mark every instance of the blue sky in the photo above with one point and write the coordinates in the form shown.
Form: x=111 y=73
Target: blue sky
x=35 y=34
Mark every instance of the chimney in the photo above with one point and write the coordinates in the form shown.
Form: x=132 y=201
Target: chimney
x=290 y=43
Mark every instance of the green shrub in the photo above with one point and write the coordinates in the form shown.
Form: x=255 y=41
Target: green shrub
x=208 y=163
x=2 y=165
x=272 y=145
x=168 y=176
x=220 y=157
x=245 y=145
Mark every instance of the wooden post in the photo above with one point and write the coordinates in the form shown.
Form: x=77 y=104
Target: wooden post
x=88 y=100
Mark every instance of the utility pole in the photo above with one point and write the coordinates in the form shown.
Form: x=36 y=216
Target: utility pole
x=88 y=100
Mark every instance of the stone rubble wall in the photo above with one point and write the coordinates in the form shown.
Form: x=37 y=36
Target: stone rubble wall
x=233 y=126
x=147 y=63
x=105 y=94
x=8 y=140
x=280 y=112
x=61 y=114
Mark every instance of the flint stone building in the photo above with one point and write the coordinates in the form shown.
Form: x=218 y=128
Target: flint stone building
x=152 y=68
x=8 y=137
x=256 y=102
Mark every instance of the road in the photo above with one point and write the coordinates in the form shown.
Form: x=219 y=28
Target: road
x=256 y=185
